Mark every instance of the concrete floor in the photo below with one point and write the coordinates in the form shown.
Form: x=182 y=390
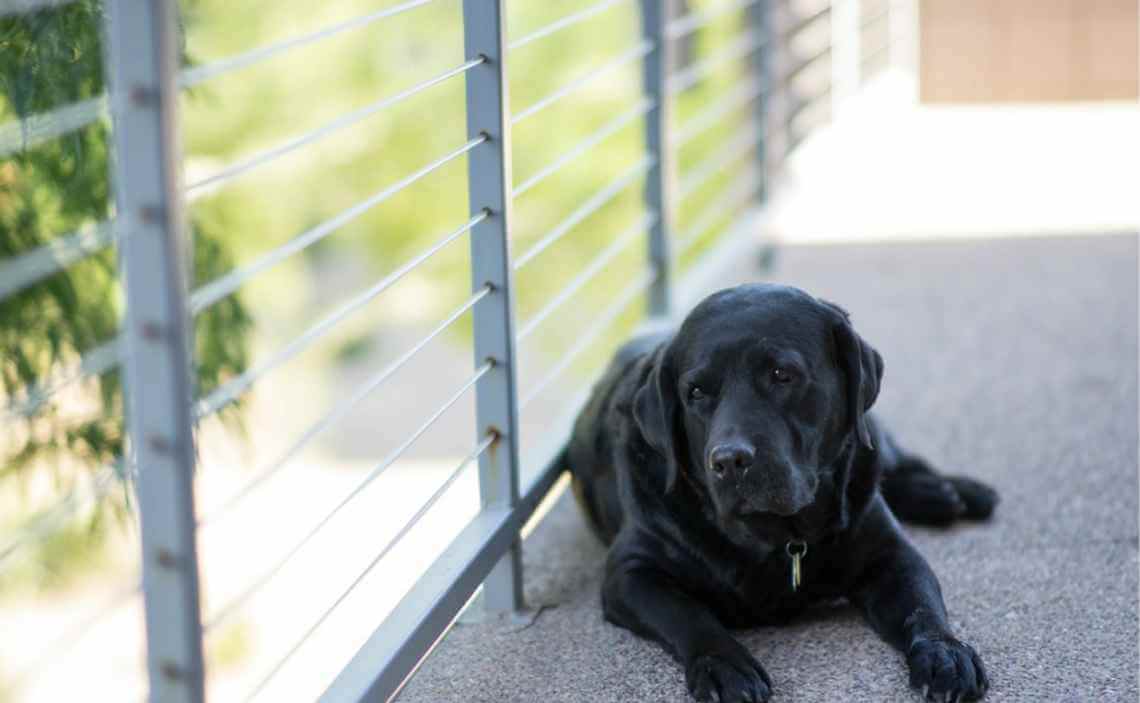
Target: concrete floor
x=1011 y=360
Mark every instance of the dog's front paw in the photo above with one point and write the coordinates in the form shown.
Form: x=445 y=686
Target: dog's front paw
x=947 y=670
x=729 y=675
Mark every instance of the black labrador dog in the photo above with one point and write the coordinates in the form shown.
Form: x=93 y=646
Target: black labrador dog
x=735 y=471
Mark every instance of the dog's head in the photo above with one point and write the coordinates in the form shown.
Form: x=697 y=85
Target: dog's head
x=754 y=400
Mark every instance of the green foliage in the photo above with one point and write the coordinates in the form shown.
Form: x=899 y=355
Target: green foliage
x=56 y=560
x=237 y=115
x=52 y=57
x=48 y=59
x=355 y=349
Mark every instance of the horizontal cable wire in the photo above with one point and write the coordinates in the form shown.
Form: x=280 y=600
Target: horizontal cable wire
x=339 y=411
x=221 y=287
x=794 y=141
x=231 y=172
x=639 y=51
x=806 y=102
x=874 y=17
x=687 y=24
x=800 y=25
x=567 y=21
x=798 y=132
x=589 y=207
x=692 y=74
x=870 y=56
x=230 y=391
x=455 y=474
x=715 y=163
x=606 y=131
x=717 y=111
x=52 y=519
x=599 y=325
x=26 y=132
x=808 y=63
x=95 y=362
x=718 y=209
x=227 y=393
x=241 y=599
x=199 y=74
x=587 y=274
x=23 y=270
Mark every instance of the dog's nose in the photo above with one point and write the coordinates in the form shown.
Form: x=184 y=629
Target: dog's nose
x=726 y=458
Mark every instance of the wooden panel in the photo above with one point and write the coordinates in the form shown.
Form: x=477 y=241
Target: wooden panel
x=1029 y=50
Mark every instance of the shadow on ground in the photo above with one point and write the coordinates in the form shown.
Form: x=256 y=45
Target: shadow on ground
x=1014 y=361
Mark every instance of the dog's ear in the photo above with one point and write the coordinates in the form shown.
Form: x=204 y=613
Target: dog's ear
x=862 y=367
x=656 y=408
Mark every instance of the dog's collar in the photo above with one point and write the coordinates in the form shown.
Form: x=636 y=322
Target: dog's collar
x=797 y=551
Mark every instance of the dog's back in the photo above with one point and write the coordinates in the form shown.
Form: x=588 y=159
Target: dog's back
x=589 y=455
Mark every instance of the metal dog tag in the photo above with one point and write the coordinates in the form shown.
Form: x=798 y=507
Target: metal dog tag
x=797 y=551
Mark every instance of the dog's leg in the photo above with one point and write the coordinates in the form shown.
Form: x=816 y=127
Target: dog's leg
x=717 y=667
x=917 y=493
x=901 y=598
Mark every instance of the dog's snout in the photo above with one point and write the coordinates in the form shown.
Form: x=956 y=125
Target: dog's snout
x=726 y=459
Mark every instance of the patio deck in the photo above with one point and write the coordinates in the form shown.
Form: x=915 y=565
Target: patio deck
x=1010 y=360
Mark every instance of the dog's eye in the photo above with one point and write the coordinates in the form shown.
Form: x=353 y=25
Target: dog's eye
x=781 y=375
x=696 y=393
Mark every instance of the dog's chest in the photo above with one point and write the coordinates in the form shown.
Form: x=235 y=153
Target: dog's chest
x=762 y=592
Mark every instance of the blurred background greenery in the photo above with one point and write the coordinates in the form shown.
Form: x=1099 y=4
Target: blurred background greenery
x=62 y=438
x=68 y=528
x=59 y=446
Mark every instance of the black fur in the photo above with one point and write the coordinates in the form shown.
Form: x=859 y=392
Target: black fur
x=703 y=455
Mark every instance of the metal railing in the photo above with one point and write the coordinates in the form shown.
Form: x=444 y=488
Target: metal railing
x=149 y=228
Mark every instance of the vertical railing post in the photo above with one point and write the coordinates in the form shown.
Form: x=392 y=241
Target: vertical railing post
x=655 y=15
x=143 y=59
x=760 y=19
x=488 y=187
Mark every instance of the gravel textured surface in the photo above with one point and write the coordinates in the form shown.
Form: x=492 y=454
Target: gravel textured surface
x=1014 y=361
